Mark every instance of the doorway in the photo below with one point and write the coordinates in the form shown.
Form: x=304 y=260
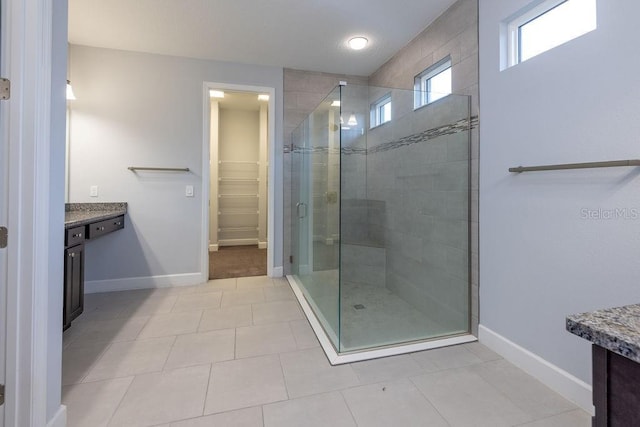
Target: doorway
x=239 y=209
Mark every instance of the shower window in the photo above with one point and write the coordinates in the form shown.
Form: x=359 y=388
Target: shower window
x=433 y=83
x=381 y=111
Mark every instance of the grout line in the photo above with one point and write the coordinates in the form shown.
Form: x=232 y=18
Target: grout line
x=206 y=393
x=284 y=379
x=344 y=399
x=133 y=377
x=429 y=400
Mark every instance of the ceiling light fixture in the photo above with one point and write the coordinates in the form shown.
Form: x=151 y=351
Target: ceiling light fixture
x=357 y=43
x=216 y=93
x=335 y=103
x=70 y=95
x=352 y=120
x=263 y=97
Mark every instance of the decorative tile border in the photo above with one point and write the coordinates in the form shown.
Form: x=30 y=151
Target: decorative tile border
x=449 y=129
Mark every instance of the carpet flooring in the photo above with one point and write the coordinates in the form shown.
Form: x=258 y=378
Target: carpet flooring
x=237 y=261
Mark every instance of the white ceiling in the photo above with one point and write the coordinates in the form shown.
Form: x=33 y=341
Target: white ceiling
x=300 y=34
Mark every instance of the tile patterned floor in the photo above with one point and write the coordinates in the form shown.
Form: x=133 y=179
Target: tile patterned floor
x=238 y=352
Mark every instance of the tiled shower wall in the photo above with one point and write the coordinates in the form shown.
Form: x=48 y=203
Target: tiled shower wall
x=454 y=33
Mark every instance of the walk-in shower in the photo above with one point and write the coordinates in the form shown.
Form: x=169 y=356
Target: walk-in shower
x=380 y=221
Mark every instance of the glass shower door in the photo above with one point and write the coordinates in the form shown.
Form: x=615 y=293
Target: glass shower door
x=315 y=212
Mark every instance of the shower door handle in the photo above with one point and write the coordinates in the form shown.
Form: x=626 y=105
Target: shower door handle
x=301 y=209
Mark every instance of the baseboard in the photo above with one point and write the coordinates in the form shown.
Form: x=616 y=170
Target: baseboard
x=213 y=248
x=277 y=272
x=60 y=418
x=559 y=380
x=130 y=283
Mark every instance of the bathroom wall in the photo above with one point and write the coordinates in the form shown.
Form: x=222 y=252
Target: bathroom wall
x=303 y=92
x=147 y=110
x=454 y=33
x=418 y=168
x=543 y=255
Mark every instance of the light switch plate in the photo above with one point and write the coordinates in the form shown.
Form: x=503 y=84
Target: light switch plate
x=188 y=191
x=93 y=191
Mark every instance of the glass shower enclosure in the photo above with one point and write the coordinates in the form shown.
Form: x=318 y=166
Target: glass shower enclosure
x=380 y=219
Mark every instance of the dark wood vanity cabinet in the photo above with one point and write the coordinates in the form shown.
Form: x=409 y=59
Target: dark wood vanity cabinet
x=73 y=275
x=615 y=389
x=75 y=239
x=98 y=229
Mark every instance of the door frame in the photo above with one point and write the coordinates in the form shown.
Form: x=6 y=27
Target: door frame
x=30 y=40
x=206 y=169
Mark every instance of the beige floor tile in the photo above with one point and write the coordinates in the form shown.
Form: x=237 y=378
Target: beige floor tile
x=482 y=351
x=168 y=324
x=77 y=361
x=93 y=404
x=464 y=398
x=445 y=358
x=102 y=313
x=281 y=281
x=254 y=282
x=575 y=418
x=202 y=348
x=264 y=339
x=131 y=358
x=250 y=417
x=73 y=333
x=304 y=335
x=279 y=293
x=321 y=410
x=202 y=301
x=394 y=403
x=242 y=297
x=154 y=304
x=163 y=397
x=115 y=330
x=225 y=318
x=211 y=286
x=244 y=383
x=276 y=311
x=386 y=369
x=525 y=391
x=309 y=372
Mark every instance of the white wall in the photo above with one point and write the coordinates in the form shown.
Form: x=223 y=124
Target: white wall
x=56 y=207
x=136 y=109
x=539 y=260
x=239 y=135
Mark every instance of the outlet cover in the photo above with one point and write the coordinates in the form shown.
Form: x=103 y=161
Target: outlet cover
x=93 y=191
x=188 y=191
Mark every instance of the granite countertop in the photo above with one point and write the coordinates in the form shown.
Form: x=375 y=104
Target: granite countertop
x=77 y=214
x=616 y=329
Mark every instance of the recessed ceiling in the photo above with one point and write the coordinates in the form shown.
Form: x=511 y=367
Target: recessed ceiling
x=301 y=34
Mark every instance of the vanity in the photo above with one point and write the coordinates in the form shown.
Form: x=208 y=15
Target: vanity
x=615 y=334
x=83 y=223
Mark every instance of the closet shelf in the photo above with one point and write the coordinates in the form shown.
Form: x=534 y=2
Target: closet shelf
x=222 y=229
x=239 y=179
x=237 y=162
x=238 y=195
x=238 y=212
